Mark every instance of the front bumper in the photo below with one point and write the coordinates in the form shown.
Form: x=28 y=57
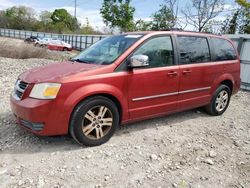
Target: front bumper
x=41 y=117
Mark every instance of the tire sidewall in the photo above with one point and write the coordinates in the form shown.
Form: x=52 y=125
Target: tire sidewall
x=219 y=89
x=81 y=110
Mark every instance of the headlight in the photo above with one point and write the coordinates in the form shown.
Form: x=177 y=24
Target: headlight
x=45 y=91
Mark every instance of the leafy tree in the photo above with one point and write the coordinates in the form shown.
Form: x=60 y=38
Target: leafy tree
x=243 y=3
x=3 y=20
x=20 y=17
x=162 y=19
x=64 y=21
x=231 y=23
x=244 y=18
x=239 y=21
x=142 y=25
x=87 y=28
x=118 y=13
x=173 y=6
x=201 y=12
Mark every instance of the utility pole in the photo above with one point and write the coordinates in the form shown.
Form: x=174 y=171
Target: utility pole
x=75 y=7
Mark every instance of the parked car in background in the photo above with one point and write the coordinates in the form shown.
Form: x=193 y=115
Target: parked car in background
x=31 y=39
x=45 y=41
x=126 y=78
x=59 y=45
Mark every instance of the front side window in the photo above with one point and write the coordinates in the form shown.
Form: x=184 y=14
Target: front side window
x=106 y=51
x=193 y=49
x=159 y=50
x=223 y=50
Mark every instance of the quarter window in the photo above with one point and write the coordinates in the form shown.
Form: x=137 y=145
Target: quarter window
x=159 y=50
x=223 y=50
x=193 y=49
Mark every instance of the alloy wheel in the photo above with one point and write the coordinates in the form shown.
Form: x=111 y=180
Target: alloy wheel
x=97 y=122
x=222 y=101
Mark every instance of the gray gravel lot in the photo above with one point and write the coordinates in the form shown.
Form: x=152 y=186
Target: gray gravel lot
x=188 y=149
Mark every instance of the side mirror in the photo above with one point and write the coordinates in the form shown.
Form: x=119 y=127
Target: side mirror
x=137 y=61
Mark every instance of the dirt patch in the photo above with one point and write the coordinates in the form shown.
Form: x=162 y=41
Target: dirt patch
x=188 y=149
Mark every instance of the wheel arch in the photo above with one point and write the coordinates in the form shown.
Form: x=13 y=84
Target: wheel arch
x=90 y=91
x=228 y=83
x=226 y=79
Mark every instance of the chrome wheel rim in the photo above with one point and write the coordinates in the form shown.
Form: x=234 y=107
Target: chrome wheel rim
x=97 y=122
x=221 y=101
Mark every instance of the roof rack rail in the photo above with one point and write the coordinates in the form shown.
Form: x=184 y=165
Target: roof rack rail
x=172 y=29
x=179 y=29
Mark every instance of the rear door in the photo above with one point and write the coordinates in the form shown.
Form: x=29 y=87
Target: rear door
x=197 y=71
x=154 y=90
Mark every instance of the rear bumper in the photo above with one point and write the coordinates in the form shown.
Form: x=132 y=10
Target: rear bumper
x=40 y=117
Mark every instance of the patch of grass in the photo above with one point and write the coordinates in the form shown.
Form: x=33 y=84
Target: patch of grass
x=22 y=52
x=17 y=49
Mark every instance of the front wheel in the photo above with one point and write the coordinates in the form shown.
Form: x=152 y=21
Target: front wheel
x=94 y=121
x=220 y=101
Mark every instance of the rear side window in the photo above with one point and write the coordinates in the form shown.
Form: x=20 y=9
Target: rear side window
x=223 y=50
x=193 y=49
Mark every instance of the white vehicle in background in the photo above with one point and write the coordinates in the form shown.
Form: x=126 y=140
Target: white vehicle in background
x=45 y=41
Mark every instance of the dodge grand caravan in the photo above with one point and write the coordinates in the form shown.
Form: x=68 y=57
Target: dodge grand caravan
x=126 y=78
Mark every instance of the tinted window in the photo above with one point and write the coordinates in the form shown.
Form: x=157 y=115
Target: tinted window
x=223 y=50
x=159 y=50
x=193 y=49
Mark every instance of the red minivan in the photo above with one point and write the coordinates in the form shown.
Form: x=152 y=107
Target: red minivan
x=126 y=78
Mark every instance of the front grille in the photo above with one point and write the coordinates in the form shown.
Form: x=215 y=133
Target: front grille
x=19 y=89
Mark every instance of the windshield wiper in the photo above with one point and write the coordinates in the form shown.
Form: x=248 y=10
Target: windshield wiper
x=79 y=60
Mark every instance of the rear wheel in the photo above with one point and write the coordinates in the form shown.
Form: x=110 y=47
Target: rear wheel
x=94 y=121
x=220 y=101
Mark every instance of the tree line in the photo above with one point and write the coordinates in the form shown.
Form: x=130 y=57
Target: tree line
x=199 y=14
x=58 y=21
x=119 y=16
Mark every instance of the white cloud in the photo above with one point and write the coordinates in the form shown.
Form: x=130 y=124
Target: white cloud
x=5 y=4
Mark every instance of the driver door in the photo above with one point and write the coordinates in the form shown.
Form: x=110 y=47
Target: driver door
x=153 y=90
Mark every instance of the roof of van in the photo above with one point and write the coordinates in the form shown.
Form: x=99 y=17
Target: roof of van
x=174 y=32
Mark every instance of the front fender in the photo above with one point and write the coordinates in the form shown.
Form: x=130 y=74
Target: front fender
x=96 y=89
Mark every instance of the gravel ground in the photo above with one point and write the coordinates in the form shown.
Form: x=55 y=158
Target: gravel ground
x=188 y=149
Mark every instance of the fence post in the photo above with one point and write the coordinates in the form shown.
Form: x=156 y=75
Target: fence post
x=86 y=42
x=72 y=40
x=80 y=42
x=92 y=40
x=76 y=37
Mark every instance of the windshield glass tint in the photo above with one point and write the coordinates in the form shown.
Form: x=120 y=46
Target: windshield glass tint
x=107 y=50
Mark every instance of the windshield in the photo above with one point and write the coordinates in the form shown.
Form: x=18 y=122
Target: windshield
x=106 y=51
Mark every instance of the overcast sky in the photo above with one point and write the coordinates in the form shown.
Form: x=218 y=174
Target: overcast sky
x=90 y=8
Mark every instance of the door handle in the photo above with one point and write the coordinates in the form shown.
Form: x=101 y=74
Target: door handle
x=172 y=74
x=188 y=71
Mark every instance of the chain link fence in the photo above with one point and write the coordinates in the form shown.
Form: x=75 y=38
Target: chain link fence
x=243 y=45
x=78 y=42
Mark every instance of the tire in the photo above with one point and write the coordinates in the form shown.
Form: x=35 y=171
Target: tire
x=65 y=49
x=90 y=127
x=216 y=106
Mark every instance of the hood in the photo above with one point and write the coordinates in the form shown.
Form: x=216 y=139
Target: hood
x=54 y=72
